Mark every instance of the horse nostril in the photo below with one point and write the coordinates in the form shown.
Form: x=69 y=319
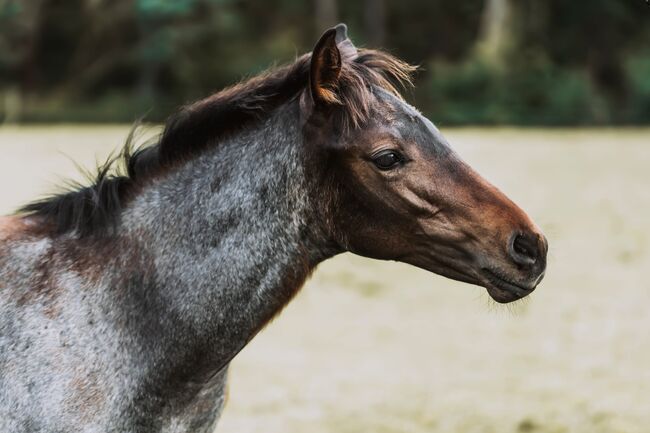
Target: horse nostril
x=524 y=248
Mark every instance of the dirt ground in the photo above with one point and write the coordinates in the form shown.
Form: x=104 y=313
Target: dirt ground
x=371 y=346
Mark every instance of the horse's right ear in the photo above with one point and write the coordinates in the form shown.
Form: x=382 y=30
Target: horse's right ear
x=325 y=69
x=346 y=47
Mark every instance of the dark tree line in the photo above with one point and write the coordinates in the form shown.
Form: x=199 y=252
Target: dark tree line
x=483 y=61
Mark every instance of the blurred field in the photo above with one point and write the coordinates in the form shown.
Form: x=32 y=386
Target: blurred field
x=382 y=347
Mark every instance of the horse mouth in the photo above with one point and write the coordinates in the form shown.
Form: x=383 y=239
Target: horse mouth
x=504 y=290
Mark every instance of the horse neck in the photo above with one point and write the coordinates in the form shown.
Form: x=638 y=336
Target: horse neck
x=229 y=237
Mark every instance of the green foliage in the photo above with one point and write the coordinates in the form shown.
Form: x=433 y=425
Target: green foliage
x=527 y=93
x=81 y=60
x=163 y=8
x=637 y=68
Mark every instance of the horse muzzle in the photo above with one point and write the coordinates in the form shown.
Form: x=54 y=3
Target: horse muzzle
x=526 y=259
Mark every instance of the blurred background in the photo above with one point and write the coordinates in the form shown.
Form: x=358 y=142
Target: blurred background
x=550 y=100
x=523 y=62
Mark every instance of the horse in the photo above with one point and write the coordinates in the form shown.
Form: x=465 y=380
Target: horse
x=123 y=302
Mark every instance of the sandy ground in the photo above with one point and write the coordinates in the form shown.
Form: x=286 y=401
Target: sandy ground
x=382 y=347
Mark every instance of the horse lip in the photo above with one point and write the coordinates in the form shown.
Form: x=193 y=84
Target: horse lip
x=503 y=290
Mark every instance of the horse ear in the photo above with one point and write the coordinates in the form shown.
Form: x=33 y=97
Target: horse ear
x=325 y=69
x=346 y=47
x=332 y=49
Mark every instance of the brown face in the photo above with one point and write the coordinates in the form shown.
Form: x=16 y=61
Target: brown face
x=405 y=195
x=400 y=192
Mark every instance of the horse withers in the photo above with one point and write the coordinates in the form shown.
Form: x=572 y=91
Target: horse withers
x=123 y=302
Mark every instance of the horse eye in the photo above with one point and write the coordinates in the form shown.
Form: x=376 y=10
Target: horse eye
x=387 y=160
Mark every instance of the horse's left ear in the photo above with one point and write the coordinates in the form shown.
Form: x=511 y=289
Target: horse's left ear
x=327 y=58
x=325 y=69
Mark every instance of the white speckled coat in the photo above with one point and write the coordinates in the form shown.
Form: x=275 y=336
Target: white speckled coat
x=135 y=333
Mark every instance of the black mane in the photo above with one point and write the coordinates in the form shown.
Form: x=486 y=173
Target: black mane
x=96 y=209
